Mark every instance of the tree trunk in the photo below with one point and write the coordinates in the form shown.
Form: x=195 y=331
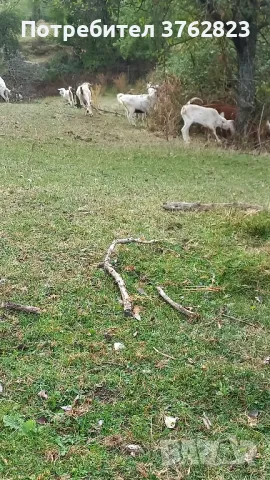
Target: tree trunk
x=246 y=53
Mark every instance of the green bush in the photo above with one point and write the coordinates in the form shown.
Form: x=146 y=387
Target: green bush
x=204 y=68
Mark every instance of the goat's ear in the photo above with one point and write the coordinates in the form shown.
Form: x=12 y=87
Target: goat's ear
x=222 y=115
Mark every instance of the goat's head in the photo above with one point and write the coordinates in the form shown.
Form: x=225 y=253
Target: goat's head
x=152 y=89
x=227 y=124
x=62 y=91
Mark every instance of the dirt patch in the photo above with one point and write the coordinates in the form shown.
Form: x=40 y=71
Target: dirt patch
x=106 y=395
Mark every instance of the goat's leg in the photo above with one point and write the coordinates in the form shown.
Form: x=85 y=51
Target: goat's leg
x=83 y=105
x=185 y=131
x=3 y=95
x=208 y=136
x=90 y=111
x=131 y=117
x=215 y=135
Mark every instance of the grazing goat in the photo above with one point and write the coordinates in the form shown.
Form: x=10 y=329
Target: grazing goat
x=229 y=111
x=207 y=117
x=4 y=91
x=84 y=95
x=138 y=103
x=67 y=95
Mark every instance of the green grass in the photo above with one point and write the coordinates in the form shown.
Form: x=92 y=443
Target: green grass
x=69 y=186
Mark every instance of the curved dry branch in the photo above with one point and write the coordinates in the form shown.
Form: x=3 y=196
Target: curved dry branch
x=175 y=305
x=127 y=303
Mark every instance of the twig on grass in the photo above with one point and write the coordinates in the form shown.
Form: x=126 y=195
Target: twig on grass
x=99 y=110
x=203 y=288
x=20 y=308
x=175 y=305
x=241 y=320
x=187 y=207
x=164 y=354
x=127 y=303
x=96 y=109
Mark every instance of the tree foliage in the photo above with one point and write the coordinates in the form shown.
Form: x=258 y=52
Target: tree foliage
x=9 y=29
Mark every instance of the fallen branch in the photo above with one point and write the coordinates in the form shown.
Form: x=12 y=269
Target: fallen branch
x=96 y=109
x=127 y=303
x=20 y=308
x=187 y=207
x=241 y=320
x=99 y=110
x=203 y=289
x=164 y=354
x=175 y=305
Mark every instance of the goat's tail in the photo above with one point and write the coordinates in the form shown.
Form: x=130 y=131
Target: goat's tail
x=183 y=110
x=192 y=100
x=119 y=96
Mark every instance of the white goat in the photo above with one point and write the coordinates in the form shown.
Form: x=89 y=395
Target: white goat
x=152 y=88
x=207 y=117
x=67 y=95
x=4 y=91
x=138 y=103
x=84 y=95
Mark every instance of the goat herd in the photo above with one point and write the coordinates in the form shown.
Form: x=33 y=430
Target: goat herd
x=212 y=116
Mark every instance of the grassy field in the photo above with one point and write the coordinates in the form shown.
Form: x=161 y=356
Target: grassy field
x=69 y=186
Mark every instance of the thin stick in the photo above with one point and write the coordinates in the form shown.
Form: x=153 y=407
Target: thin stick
x=164 y=354
x=96 y=109
x=20 y=308
x=186 y=206
x=175 y=305
x=99 y=110
x=127 y=303
x=203 y=289
x=241 y=320
x=259 y=128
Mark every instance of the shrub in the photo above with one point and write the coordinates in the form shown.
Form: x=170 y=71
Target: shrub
x=96 y=94
x=140 y=87
x=102 y=81
x=166 y=115
x=121 y=83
